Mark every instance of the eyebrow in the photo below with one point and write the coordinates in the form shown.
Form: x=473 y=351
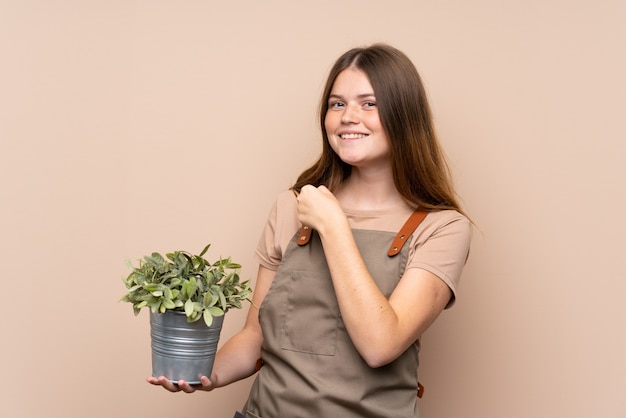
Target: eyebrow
x=360 y=96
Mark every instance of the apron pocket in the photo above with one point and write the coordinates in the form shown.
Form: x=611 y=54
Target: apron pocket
x=311 y=321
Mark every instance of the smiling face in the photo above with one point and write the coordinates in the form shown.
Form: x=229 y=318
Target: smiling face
x=352 y=122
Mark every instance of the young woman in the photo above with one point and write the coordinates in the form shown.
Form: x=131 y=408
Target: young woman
x=356 y=261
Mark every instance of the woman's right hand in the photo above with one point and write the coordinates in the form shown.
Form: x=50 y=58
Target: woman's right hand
x=205 y=384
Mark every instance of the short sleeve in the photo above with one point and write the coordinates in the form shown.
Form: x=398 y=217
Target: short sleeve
x=440 y=245
x=281 y=225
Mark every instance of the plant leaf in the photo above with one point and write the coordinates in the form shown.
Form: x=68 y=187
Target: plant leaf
x=168 y=304
x=208 y=318
x=192 y=287
x=215 y=311
x=183 y=289
x=188 y=308
x=222 y=299
x=203 y=252
x=210 y=299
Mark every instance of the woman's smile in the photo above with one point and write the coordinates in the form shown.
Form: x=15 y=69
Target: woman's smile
x=353 y=136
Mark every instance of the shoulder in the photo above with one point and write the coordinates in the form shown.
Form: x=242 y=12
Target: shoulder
x=284 y=211
x=286 y=201
x=445 y=220
x=445 y=233
x=281 y=226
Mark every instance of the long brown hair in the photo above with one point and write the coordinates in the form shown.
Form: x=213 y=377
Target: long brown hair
x=420 y=172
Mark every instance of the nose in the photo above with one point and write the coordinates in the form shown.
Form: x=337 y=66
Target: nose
x=350 y=114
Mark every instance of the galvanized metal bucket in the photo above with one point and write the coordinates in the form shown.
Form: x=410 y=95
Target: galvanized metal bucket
x=183 y=350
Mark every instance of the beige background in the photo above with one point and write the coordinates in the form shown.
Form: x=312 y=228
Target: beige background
x=133 y=126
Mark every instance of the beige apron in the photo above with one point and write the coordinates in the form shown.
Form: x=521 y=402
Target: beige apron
x=311 y=368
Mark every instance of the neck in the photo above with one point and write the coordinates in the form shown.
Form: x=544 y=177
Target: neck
x=369 y=191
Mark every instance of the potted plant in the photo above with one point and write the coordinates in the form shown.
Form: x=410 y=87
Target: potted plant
x=187 y=296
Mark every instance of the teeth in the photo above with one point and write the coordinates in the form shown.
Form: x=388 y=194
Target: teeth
x=352 y=136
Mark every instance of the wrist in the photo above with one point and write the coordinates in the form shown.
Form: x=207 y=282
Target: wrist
x=333 y=226
x=214 y=381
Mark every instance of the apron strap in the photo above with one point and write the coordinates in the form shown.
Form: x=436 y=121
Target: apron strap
x=305 y=235
x=409 y=227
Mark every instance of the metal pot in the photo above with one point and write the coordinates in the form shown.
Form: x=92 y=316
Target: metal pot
x=182 y=350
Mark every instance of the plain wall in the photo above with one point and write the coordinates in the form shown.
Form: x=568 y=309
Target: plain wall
x=128 y=127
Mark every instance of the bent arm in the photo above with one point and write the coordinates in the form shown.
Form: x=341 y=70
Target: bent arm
x=380 y=328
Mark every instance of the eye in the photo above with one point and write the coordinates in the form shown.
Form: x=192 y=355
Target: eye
x=369 y=105
x=335 y=104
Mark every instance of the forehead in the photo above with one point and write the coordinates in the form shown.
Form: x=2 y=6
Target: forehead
x=352 y=81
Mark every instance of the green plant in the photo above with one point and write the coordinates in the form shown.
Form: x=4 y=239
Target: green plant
x=185 y=282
